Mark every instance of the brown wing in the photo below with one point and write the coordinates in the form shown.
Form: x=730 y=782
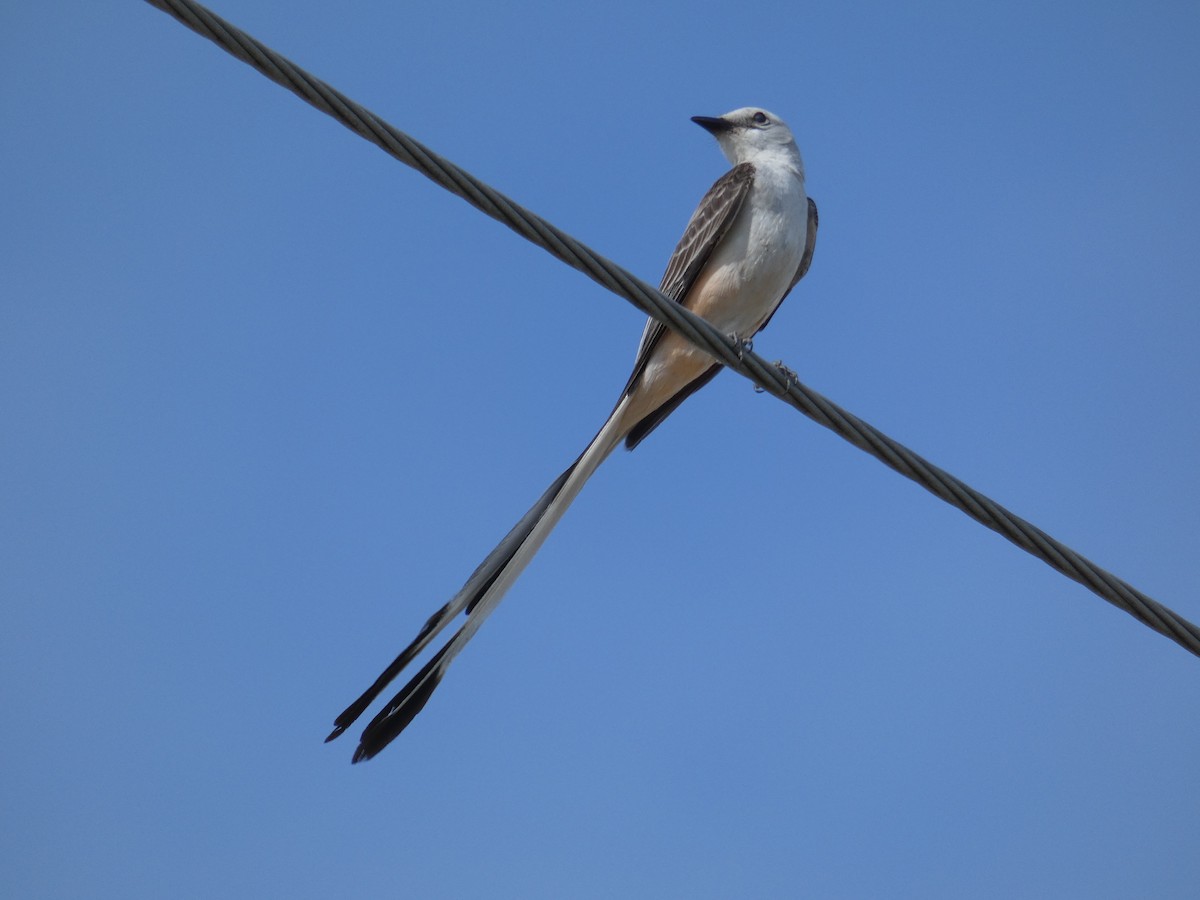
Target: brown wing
x=708 y=225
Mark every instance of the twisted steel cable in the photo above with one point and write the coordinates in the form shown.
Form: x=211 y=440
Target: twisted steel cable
x=774 y=379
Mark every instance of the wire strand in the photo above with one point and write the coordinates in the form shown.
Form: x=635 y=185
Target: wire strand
x=771 y=378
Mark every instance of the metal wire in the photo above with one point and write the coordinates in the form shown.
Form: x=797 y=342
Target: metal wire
x=771 y=378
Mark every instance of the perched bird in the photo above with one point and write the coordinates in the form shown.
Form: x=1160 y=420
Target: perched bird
x=747 y=244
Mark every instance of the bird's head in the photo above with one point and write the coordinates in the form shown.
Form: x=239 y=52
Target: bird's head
x=750 y=133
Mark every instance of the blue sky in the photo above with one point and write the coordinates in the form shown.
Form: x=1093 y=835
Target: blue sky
x=269 y=396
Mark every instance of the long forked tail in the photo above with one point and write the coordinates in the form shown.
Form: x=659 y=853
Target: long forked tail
x=478 y=597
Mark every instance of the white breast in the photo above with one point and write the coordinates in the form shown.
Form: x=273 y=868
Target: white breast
x=755 y=263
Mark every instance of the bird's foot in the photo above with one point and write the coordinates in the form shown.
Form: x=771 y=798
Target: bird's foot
x=744 y=345
x=789 y=377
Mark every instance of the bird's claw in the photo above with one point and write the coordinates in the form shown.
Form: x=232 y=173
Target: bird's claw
x=744 y=345
x=789 y=377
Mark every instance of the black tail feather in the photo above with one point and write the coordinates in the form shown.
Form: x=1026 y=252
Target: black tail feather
x=356 y=709
x=507 y=548
x=403 y=708
x=416 y=693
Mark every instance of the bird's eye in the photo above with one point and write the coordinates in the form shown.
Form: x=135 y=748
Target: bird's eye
x=760 y=118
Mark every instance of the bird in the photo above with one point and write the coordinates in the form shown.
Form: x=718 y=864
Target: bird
x=748 y=243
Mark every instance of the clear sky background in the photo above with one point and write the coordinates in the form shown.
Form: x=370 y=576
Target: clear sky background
x=269 y=396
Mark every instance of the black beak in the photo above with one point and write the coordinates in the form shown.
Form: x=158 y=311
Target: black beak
x=712 y=124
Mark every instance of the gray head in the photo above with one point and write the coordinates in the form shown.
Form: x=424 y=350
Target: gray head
x=751 y=133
